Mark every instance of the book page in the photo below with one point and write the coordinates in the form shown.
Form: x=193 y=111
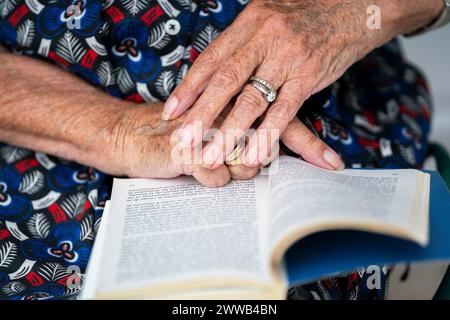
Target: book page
x=93 y=268
x=172 y=231
x=305 y=197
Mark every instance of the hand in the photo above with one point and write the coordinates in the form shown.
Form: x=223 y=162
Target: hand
x=299 y=47
x=88 y=126
x=143 y=147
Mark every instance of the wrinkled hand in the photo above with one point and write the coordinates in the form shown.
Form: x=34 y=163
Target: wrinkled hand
x=143 y=147
x=299 y=47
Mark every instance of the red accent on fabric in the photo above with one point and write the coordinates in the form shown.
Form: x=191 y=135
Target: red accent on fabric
x=55 y=57
x=425 y=112
x=4 y=233
x=26 y=164
x=353 y=277
x=63 y=280
x=135 y=97
x=87 y=205
x=422 y=82
x=115 y=14
x=368 y=143
x=34 y=279
x=18 y=14
x=151 y=15
x=194 y=54
x=370 y=117
x=57 y=213
x=89 y=59
x=318 y=126
x=405 y=110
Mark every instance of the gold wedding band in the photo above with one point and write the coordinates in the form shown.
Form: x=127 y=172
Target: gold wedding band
x=234 y=158
x=235 y=162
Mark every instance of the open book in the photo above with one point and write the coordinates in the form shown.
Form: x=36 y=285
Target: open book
x=178 y=239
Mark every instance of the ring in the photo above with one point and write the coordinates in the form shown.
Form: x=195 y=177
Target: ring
x=234 y=158
x=266 y=89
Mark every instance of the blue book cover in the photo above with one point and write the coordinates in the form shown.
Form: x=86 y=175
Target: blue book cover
x=332 y=252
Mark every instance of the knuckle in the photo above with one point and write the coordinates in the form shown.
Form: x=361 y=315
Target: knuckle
x=219 y=181
x=260 y=47
x=186 y=168
x=252 y=101
x=226 y=77
x=276 y=22
x=242 y=173
x=212 y=56
x=313 y=143
x=205 y=109
x=281 y=111
x=186 y=86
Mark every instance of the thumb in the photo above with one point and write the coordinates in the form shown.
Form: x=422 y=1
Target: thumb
x=299 y=139
x=212 y=178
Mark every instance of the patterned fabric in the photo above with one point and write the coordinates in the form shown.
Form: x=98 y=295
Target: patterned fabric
x=136 y=49
x=376 y=115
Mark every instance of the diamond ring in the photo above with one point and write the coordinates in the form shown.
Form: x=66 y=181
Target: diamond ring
x=266 y=89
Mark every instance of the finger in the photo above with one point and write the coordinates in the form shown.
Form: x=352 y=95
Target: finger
x=198 y=76
x=290 y=98
x=302 y=141
x=249 y=105
x=224 y=85
x=242 y=172
x=212 y=178
x=188 y=162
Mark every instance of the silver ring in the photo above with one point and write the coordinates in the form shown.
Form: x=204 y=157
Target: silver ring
x=266 y=89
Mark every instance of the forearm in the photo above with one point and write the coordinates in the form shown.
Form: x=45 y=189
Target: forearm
x=418 y=14
x=49 y=110
x=402 y=17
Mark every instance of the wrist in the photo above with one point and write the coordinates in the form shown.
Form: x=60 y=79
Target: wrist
x=123 y=133
x=397 y=17
x=407 y=17
x=95 y=141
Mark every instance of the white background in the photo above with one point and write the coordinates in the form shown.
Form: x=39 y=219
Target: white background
x=431 y=52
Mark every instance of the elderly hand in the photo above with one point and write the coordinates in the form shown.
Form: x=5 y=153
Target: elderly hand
x=114 y=136
x=145 y=147
x=299 y=47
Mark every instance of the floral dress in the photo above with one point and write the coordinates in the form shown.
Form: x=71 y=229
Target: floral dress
x=376 y=115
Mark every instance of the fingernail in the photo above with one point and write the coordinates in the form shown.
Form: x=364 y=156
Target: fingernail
x=333 y=160
x=169 y=108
